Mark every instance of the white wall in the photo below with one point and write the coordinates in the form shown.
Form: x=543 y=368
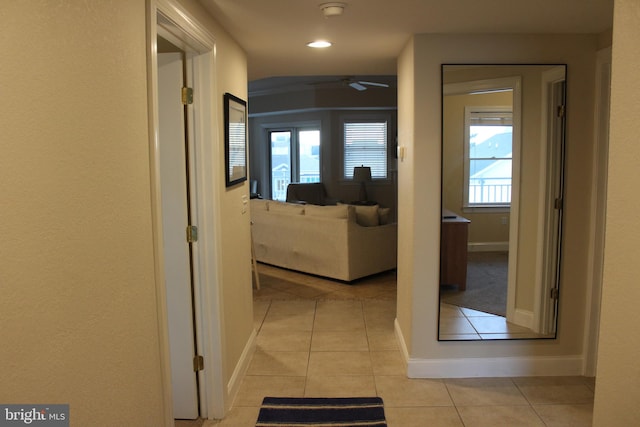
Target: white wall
x=617 y=385
x=419 y=109
x=77 y=279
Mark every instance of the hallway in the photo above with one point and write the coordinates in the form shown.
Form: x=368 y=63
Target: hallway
x=318 y=337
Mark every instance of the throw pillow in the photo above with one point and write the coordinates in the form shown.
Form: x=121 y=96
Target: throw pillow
x=339 y=211
x=384 y=216
x=290 y=208
x=367 y=216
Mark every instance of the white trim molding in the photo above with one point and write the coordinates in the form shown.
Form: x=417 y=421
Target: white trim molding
x=241 y=368
x=488 y=246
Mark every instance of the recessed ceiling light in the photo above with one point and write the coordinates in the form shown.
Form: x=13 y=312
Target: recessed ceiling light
x=319 y=44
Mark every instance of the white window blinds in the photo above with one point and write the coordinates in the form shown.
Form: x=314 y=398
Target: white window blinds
x=365 y=144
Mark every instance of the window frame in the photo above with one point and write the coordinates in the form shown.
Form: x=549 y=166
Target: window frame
x=468 y=113
x=294 y=128
x=366 y=118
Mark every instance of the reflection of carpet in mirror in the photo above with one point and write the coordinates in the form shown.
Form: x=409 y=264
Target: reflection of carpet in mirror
x=486 y=284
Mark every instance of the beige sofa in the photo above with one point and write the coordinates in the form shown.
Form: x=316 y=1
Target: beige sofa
x=341 y=242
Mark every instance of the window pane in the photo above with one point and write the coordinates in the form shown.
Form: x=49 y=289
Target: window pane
x=490 y=165
x=309 y=155
x=280 y=164
x=365 y=144
x=490 y=181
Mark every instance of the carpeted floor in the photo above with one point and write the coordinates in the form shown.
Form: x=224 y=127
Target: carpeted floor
x=486 y=284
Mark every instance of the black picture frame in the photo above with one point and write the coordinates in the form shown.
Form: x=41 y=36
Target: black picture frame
x=235 y=140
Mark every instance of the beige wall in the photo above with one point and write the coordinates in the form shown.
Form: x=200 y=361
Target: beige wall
x=617 y=385
x=418 y=277
x=78 y=307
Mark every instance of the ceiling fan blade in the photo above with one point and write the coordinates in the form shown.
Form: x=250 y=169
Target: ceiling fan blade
x=373 y=84
x=357 y=86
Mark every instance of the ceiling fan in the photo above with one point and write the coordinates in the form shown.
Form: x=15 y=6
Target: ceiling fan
x=362 y=85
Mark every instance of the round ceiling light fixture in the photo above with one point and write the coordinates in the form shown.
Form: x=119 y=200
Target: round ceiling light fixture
x=319 y=44
x=332 y=9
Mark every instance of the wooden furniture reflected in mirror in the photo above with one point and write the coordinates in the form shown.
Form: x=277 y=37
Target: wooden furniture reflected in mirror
x=453 y=250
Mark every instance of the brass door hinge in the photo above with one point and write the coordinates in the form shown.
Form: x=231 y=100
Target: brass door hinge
x=198 y=363
x=187 y=95
x=554 y=293
x=562 y=111
x=558 y=203
x=192 y=233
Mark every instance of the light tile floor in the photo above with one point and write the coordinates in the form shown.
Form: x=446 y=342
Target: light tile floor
x=317 y=337
x=459 y=323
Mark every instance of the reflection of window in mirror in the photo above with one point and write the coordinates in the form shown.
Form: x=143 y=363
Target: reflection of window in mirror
x=488 y=156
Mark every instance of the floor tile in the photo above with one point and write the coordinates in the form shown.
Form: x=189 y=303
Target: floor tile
x=293 y=363
x=448 y=310
x=555 y=390
x=254 y=388
x=566 y=415
x=382 y=340
x=423 y=416
x=339 y=315
x=484 y=391
x=326 y=363
x=494 y=324
x=456 y=326
x=340 y=341
x=400 y=391
x=340 y=386
x=499 y=416
x=241 y=416
x=387 y=363
x=275 y=339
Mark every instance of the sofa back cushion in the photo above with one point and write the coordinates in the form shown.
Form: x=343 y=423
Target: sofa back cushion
x=288 y=208
x=339 y=211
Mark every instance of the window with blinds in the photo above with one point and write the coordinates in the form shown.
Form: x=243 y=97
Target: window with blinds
x=488 y=157
x=365 y=144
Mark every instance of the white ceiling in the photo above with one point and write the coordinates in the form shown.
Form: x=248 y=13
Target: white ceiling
x=371 y=33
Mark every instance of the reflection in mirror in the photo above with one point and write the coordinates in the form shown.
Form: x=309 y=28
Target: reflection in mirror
x=502 y=189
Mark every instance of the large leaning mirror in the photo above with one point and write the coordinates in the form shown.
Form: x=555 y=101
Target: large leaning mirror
x=502 y=191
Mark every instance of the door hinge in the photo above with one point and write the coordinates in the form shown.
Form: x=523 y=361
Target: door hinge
x=562 y=110
x=192 y=234
x=558 y=203
x=554 y=293
x=198 y=363
x=187 y=95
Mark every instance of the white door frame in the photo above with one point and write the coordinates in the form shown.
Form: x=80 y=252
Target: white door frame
x=598 y=210
x=545 y=308
x=168 y=19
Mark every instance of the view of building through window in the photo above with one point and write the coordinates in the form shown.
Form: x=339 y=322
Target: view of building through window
x=490 y=165
x=295 y=157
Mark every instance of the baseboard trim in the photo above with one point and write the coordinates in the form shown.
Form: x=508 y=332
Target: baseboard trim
x=495 y=367
x=488 y=247
x=401 y=342
x=523 y=318
x=233 y=386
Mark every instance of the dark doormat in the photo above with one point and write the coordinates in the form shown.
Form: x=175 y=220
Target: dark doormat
x=317 y=411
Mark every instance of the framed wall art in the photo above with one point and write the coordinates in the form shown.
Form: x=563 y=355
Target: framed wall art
x=235 y=139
